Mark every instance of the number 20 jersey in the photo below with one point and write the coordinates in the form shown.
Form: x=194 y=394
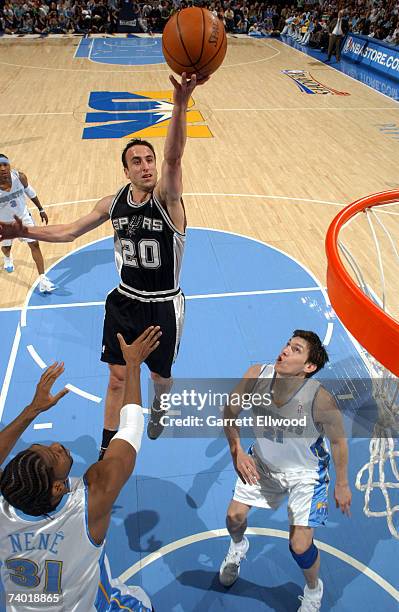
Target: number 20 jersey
x=148 y=248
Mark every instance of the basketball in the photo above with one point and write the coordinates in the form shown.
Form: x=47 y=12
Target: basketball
x=194 y=41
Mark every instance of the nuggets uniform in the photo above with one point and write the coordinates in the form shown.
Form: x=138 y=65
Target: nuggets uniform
x=55 y=556
x=292 y=461
x=148 y=255
x=12 y=203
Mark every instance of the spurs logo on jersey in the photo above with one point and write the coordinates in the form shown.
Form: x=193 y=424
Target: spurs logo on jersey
x=137 y=221
x=148 y=248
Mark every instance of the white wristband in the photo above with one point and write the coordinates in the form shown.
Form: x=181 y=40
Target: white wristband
x=131 y=425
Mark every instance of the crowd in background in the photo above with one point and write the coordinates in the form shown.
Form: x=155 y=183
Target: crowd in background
x=306 y=21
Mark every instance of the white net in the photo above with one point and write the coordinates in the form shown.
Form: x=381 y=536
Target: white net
x=378 y=278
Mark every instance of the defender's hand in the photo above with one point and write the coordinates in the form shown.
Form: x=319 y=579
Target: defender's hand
x=138 y=351
x=43 y=400
x=245 y=467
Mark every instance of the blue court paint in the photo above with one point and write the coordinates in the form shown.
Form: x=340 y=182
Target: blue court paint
x=122 y=51
x=84 y=46
x=183 y=486
x=369 y=77
x=9 y=322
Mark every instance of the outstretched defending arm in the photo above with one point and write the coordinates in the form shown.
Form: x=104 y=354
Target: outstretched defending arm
x=66 y=232
x=42 y=400
x=106 y=478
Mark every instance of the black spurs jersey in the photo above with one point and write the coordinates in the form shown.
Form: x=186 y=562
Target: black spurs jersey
x=148 y=248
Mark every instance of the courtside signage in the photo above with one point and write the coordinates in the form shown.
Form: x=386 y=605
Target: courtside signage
x=309 y=85
x=372 y=53
x=137 y=114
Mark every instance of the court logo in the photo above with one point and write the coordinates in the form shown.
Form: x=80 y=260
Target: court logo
x=389 y=129
x=143 y=114
x=308 y=84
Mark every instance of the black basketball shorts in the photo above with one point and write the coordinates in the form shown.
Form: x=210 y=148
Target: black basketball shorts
x=131 y=317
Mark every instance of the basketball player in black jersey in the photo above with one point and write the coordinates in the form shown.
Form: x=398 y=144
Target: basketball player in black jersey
x=149 y=222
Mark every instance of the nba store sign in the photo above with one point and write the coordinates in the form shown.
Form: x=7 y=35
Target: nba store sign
x=372 y=53
x=137 y=114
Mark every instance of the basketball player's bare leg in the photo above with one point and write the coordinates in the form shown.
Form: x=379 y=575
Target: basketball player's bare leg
x=45 y=285
x=301 y=538
x=37 y=256
x=8 y=263
x=307 y=556
x=114 y=400
x=236 y=523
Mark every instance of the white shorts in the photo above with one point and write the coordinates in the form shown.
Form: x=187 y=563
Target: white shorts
x=307 y=493
x=27 y=220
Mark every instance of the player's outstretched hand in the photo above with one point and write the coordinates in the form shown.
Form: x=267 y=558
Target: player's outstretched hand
x=11 y=230
x=343 y=498
x=245 y=467
x=43 y=400
x=183 y=90
x=138 y=351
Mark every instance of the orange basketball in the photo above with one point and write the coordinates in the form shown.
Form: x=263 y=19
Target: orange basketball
x=194 y=41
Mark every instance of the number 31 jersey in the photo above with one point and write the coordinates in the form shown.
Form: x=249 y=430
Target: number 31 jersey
x=148 y=248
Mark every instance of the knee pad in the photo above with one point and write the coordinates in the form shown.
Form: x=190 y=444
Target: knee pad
x=306 y=559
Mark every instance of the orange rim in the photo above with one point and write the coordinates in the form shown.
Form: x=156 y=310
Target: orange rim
x=376 y=331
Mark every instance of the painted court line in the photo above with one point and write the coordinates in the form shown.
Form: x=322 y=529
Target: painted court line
x=10 y=369
x=36 y=357
x=202 y=296
x=306 y=108
x=216 y=194
x=259 y=531
x=85 y=394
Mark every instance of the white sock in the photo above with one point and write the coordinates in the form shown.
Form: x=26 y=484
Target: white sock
x=238 y=546
x=316 y=589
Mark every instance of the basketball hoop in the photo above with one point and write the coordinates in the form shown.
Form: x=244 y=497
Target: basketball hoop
x=367 y=317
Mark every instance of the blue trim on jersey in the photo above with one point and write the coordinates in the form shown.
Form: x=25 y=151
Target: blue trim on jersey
x=87 y=516
x=126 y=602
x=110 y=599
x=319 y=506
x=104 y=587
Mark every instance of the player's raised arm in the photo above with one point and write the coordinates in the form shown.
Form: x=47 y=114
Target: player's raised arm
x=106 y=478
x=42 y=401
x=328 y=415
x=243 y=463
x=170 y=186
x=66 y=232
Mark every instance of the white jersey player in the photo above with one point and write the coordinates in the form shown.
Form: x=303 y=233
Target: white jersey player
x=289 y=459
x=53 y=528
x=14 y=188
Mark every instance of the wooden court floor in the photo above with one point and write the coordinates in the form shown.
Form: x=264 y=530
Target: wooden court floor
x=296 y=159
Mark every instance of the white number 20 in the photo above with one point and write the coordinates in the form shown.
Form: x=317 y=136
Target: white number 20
x=148 y=253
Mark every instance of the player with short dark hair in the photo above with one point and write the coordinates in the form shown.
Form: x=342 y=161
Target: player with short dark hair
x=60 y=553
x=289 y=458
x=149 y=222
